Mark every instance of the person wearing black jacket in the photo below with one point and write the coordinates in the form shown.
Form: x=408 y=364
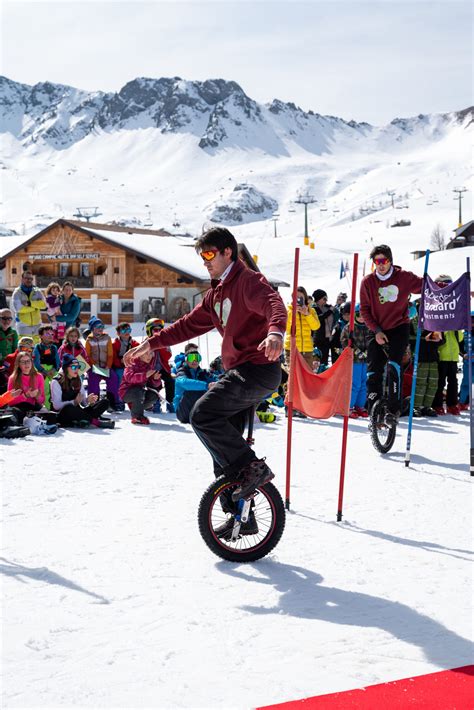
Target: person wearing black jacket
x=325 y=312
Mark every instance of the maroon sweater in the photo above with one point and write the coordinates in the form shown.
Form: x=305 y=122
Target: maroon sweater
x=384 y=304
x=244 y=308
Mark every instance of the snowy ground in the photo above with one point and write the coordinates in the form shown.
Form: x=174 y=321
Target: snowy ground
x=111 y=599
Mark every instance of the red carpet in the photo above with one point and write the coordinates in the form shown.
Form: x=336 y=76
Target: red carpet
x=445 y=690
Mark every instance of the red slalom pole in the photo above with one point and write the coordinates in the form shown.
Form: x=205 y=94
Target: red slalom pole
x=291 y=379
x=345 y=427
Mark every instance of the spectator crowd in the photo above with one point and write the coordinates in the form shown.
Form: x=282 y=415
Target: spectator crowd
x=55 y=374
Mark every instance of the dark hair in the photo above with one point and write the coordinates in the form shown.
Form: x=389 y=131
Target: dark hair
x=45 y=326
x=190 y=347
x=382 y=249
x=220 y=238
x=305 y=293
x=66 y=382
x=121 y=325
x=50 y=287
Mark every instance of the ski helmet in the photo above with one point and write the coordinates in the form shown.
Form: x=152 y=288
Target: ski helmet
x=153 y=323
x=317 y=353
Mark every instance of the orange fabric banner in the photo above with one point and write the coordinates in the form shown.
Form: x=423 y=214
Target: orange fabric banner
x=322 y=396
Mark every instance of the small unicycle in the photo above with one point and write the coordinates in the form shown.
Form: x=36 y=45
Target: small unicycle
x=263 y=510
x=382 y=426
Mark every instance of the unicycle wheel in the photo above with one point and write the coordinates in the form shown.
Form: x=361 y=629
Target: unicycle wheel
x=269 y=513
x=382 y=434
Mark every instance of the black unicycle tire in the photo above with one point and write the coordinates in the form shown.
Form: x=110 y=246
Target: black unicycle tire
x=269 y=512
x=377 y=416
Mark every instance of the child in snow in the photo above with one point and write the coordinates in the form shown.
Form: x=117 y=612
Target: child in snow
x=427 y=374
x=360 y=340
x=46 y=359
x=121 y=344
x=72 y=345
x=139 y=387
x=100 y=354
x=8 y=344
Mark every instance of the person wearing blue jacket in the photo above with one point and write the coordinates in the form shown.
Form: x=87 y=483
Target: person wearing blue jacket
x=70 y=306
x=190 y=384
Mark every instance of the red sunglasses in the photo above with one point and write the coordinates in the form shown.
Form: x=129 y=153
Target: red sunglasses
x=209 y=254
x=381 y=261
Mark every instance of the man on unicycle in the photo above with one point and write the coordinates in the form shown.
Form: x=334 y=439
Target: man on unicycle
x=384 y=297
x=251 y=317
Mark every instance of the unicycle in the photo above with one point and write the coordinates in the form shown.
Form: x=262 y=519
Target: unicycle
x=264 y=506
x=382 y=424
x=382 y=433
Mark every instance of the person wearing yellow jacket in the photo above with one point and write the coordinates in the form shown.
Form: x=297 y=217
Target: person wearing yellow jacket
x=307 y=322
x=27 y=303
x=448 y=353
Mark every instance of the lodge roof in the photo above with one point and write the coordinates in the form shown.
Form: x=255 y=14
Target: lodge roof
x=172 y=252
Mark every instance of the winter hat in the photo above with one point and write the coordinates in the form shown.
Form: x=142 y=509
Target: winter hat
x=443 y=278
x=68 y=359
x=346 y=307
x=382 y=249
x=26 y=342
x=94 y=322
x=317 y=353
x=319 y=293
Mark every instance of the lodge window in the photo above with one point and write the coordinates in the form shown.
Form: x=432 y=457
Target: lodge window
x=85 y=270
x=116 y=270
x=126 y=306
x=64 y=270
x=105 y=306
x=14 y=270
x=85 y=306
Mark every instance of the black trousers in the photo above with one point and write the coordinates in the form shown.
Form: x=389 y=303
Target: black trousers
x=72 y=413
x=168 y=381
x=377 y=357
x=447 y=371
x=220 y=415
x=186 y=403
x=140 y=398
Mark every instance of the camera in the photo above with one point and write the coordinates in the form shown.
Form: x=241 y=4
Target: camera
x=300 y=301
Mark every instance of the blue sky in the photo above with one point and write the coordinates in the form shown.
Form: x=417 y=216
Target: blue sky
x=371 y=60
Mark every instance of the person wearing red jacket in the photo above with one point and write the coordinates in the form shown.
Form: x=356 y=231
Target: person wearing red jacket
x=139 y=386
x=251 y=317
x=384 y=301
x=162 y=364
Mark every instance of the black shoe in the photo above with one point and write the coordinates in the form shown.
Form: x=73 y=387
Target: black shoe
x=429 y=412
x=255 y=474
x=14 y=432
x=224 y=531
x=418 y=413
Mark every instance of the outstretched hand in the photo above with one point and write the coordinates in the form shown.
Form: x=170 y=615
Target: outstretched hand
x=381 y=338
x=135 y=353
x=273 y=345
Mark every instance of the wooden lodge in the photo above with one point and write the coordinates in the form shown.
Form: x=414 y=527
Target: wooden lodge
x=120 y=273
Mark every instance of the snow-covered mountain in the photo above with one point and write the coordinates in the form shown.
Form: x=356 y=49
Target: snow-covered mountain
x=217 y=112
x=187 y=153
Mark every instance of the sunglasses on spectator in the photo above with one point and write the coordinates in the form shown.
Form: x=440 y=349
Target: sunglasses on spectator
x=381 y=261
x=6 y=318
x=25 y=348
x=127 y=329
x=209 y=254
x=74 y=367
x=25 y=360
x=443 y=283
x=98 y=327
x=193 y=357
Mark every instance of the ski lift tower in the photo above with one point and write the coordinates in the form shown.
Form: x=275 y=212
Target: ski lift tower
x=305 y=199
x=87 y=213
